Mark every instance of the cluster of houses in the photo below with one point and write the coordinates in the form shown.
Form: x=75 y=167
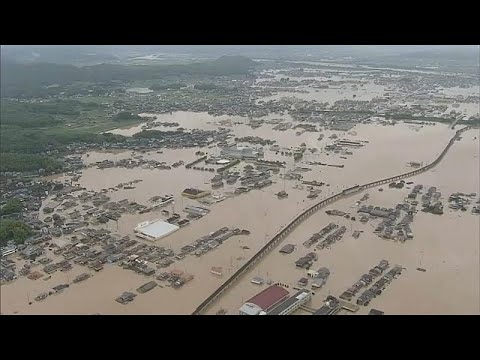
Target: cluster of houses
x=379 y=286
x=211 y=241
x=390 y=223
x=176 y=278
x=460 y=201
x=254 y=179
x=7 y=270
x=319 y=276
x=305 y=262
x=332 y=238
x=175 y=140
x=320 y=235
x=365 y=280
x=431 y=203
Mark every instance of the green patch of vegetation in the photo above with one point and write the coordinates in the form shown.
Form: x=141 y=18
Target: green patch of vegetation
x=45 y=114
x=155 y=134
x=14 y=230
x=125 y=116
x=473 y=122
x=207 y=87
x=15 y=162
x=36 y=80
x=11 y=207
x=33 y=128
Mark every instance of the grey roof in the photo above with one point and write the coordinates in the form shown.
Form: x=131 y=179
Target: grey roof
x=326 y=310
x=303 y=261
x=379 y=212
x=290 y=302
x=287 y=248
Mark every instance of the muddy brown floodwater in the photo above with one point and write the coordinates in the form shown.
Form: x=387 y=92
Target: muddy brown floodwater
x=448 y=244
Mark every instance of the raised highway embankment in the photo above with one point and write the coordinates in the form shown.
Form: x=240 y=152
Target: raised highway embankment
x=284 y=232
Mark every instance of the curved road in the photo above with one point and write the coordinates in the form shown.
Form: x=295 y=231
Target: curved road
x=314 y=208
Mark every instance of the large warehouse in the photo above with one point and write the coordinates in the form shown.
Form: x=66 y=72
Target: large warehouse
x=264 y=301
x=154 y=230
x=241 y=152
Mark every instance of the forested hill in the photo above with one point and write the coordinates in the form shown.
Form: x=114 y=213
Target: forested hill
x=19 y=78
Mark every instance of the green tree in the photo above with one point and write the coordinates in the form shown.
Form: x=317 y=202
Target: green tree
x=125 y=115
x=11 y=207
x=27 y=162
x=14 y=230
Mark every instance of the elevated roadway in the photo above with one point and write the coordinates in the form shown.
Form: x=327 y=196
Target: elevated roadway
x=284 y=232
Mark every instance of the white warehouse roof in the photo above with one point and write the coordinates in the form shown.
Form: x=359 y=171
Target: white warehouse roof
x=153 y=230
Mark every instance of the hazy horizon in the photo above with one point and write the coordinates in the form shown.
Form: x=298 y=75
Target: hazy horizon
x=63 y=52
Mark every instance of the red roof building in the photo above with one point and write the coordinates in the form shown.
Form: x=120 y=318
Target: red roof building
x=264 y=300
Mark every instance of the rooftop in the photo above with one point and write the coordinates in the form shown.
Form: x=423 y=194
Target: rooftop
x=193 y=191
x=250 y=309
x=268 y=297
x=301 y=296
x=156 y=229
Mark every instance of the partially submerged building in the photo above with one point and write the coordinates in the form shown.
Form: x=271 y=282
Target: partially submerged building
x=154 y=230
x=331 y=307
x=125 y=298
x=193 y=193
x=147 y=287
x=241 y=152
x=292 y=304
x=8 y=250
x=196 y=210
x=287 y=249
x=264 y=301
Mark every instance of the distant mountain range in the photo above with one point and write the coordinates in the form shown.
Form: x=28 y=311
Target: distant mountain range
x=95 y=54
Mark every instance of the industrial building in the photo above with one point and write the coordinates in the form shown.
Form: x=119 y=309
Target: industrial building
x=290 y=305
x=154 y=230
x=241 y=152
x=192 y=193
x=264 y=301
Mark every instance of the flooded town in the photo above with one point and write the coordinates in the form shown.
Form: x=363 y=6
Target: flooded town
x=289 y=187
